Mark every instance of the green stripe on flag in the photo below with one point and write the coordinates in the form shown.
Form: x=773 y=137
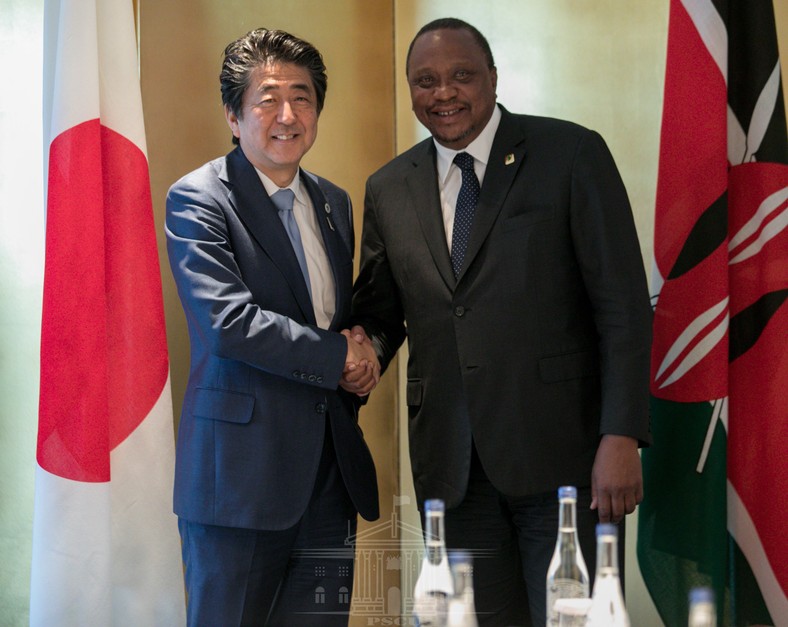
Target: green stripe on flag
x=747 y=606
x=682 y=535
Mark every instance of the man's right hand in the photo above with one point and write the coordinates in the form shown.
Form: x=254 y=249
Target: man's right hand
x=362 y=368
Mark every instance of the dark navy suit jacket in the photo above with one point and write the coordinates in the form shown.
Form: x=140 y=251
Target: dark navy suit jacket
x=262 y=375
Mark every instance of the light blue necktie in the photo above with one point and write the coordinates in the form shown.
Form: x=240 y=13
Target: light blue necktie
x=283 y=199
x=463 y=215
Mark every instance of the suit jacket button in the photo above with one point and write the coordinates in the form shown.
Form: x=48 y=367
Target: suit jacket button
x=303 y=375
x=311 y=378
x=320 y=379
x=320 y=408
x=459 y=311
x=296 y=374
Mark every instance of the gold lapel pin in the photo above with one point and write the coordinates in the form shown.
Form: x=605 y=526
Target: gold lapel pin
x=508 y=159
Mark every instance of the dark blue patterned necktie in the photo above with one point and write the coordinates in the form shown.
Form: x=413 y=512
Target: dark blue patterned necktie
x=283 y=199
x=466 y=205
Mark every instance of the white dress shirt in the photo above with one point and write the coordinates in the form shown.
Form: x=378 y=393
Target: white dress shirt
x=450 y=176
x=321 y=277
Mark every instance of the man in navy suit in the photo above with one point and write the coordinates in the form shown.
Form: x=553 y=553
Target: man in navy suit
x=518 y=275
x=271 y=466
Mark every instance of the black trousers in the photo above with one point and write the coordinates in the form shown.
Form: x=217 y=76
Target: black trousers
x=512 y=541
x=302 y=576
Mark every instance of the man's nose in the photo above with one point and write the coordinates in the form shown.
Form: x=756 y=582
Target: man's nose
x=286 y=114
x=445 y=90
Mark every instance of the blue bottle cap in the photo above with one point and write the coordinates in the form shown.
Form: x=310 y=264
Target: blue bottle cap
x=459 y=556
x=701 y=594
x=567 y=492
x=606 y=529
x=434 y=505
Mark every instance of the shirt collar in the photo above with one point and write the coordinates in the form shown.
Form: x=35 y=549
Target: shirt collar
x=271 y=188
x=479 y=148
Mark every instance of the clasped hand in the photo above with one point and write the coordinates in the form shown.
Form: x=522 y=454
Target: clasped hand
x=362 y=368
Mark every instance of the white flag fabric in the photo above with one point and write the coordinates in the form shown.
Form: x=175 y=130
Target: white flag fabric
x=106 y=549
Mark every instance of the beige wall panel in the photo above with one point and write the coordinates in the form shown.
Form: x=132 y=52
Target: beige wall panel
x=181 y=51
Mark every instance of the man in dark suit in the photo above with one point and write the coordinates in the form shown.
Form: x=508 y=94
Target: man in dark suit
x=527 y=317
x=271 y=466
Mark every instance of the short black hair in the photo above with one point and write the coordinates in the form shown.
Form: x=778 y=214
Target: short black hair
x=453 y=23
x=261 y=46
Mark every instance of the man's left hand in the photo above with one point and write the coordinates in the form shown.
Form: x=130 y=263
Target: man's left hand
x=617 y=478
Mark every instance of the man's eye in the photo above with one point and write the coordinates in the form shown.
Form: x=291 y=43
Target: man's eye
x=425 y=81
x=462 y=75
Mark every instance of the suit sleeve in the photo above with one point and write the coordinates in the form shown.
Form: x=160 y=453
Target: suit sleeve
x=376 y=301
x=607 y=248
x=220 y=306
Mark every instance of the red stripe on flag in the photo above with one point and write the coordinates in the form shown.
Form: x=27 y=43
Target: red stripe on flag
x=767 y=270
x=103 y=348
x=692 y=176
x=757 y=433
x=681 y=301
x=758 y=428
x=693 y=164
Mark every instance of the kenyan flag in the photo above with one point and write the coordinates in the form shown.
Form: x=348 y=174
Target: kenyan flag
x=716 y=478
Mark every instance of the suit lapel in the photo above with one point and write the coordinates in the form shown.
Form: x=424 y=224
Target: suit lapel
x=506 y=158
x=422 y=183
x=258 y=213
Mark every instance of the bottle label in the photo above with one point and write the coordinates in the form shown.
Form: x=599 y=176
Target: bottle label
x=562 y=589
x=431 y=609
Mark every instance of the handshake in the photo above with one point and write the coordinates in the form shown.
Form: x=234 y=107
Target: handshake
x=362 y=368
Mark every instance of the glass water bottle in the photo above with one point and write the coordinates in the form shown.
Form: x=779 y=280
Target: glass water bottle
x=702 y=608
x=567 y=575
x=607 y=600
x=434 y=587
x=462 y=608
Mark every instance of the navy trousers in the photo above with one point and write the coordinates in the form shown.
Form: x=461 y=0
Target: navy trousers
x=302 y=576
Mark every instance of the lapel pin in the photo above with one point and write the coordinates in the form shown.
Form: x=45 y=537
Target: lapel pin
x=508 y=159
x=327 y=208
x=330 y=223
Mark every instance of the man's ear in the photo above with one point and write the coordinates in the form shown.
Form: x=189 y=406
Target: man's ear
x=232 y=121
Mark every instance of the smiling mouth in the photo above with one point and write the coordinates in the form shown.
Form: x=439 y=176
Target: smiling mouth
x=284 y=137
x=448 y=114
